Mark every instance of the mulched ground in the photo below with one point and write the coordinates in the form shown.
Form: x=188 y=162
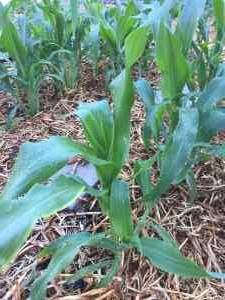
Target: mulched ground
x=198 y=227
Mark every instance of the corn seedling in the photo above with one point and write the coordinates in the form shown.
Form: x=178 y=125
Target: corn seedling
x=24 y=69
x=165 y=113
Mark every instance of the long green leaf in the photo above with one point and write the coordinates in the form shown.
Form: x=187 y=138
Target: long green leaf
x=124 y=26
x=120 y=210
x=142 y=176
x=214 y=92
x=63 y=255
x=210 y=124
x=171 y=62
x=74 y=6
x=123 y=97
x=36 y=162
x=167 y=257
x=11 y=42
x=219 y=11
x=216 y=150
x=177 y=151
x=135 y=45
x=18 y=217
x=188 y=21
x=64 y=249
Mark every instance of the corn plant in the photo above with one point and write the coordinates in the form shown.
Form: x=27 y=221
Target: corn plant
x=113 y=24
x=26 y=78
x=62 y=32
x=26 y=198
x=207 y=48
x=164 y=113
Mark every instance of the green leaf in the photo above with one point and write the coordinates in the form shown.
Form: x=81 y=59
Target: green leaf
x=120 y=210
x=124 y=27
x=85 y=271
x=219 y=11
x=168 y=258
x=65 y=249
x=216 y=150
x=146 y=93
x=36 y=162
x=12 y=43
x=213 y=93
x=123 y=98
x=74 y=7
x=171 y=62
x=63 y=255
x=188 y=21
x=177 y=151
x=135 y=45
x=161 y=15
x=210 y=124
x=97 y=120
x=154 y=121
x=191 y=182
x=154 y=112
x=142 y=176
x=109 y=35
x=18 y=217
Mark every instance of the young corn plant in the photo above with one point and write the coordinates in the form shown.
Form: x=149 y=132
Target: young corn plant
x=62 y=32
x=207 y=48
x=164 y=113
x=24 y=69
x=26 y=198
x=114 y=25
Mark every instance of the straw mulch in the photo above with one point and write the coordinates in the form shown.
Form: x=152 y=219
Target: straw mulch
x=197 y=227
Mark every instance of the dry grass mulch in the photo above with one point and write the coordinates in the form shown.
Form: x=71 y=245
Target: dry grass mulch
x=199 y=227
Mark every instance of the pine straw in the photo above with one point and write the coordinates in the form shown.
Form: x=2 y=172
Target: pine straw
x=197 y=227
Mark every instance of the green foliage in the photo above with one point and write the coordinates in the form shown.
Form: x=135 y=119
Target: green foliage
x=98 y=124
x=19 y=216
x=188 y=21
x=167 y=257
x=42 y=159
x=28 y=67
x=120 y=210
x=63 y=252
x=171 y=62
x=181 y=123
x=135 y=45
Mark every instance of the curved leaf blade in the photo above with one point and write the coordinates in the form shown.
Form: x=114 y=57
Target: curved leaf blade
x=18 y=217
x=167 y=257
x=123 y=97
x=63 y=255
x=219 y=11
x=36 y=162
x=135 y=45
x=210 y=124
x=177 y=151
x=188 y=21
x=214 y=92
x=171 y=62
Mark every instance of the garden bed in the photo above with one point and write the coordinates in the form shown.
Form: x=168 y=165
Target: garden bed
x=168 y=192
x=198 y=227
